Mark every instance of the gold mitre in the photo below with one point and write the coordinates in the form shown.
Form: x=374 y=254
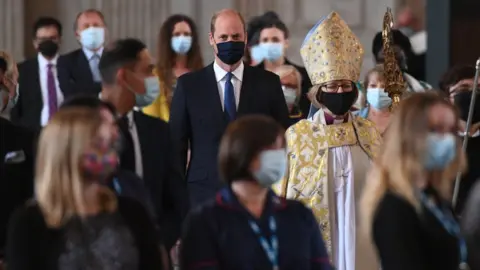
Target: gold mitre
x=331 y=51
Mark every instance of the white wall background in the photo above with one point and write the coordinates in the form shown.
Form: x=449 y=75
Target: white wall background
x=142 y=18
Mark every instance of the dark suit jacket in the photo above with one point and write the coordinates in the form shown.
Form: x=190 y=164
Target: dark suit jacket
x=79 y=74
x=197 y=118
x=162 y=176
x=16 y=178
x=27 y=112
x=304 y=102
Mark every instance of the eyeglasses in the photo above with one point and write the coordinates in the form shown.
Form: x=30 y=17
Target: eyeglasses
x=333 y=88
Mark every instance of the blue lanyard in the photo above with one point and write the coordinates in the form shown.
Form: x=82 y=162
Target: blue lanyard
x=270 y=248
x=117 y=186
x=451 y=226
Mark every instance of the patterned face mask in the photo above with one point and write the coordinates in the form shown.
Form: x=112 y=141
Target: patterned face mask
x=100 y=161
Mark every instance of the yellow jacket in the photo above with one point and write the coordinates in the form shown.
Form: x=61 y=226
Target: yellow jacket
x=159 y=108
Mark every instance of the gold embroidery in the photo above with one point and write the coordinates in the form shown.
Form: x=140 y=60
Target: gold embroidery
x=307 y=178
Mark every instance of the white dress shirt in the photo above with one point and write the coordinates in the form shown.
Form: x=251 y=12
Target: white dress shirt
x=221 y=76
x=93 y=63
x=136 y=144
x=43 y=69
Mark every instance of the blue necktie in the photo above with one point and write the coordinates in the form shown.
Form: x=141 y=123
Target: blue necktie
x=229 y=99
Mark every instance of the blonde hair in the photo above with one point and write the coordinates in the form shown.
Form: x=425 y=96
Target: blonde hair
x=286 y=70
x=398 y=167
x=11 y=72
x=59 y=184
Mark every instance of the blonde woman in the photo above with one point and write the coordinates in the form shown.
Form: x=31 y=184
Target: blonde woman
x=76 y=222
x=406 y=202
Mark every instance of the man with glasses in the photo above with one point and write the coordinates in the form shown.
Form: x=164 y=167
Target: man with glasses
x=330 y=151
x=42 y=85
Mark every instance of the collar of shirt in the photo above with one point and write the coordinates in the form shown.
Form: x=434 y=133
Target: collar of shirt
x=475 y=134
x=220 y=73
x=43 y=62
x=131 y=119
x=89 y=54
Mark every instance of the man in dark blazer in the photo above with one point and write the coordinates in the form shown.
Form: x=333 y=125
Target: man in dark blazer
x=126 y=68
x=16 y=170
x=206 y=101
x=43 y=85
x=81 y=65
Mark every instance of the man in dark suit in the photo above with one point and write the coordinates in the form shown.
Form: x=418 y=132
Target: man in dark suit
x=42 y=83
x=81 y=65
x=128 y=81
x=207 y=100
x=16 y=166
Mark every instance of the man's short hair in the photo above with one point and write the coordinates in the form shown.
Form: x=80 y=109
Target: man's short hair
x=399 y=39
x=88 y=101
x=90 y=10
x=46 y=22
x=454 y=75
x=215 y=16
x=119 y=54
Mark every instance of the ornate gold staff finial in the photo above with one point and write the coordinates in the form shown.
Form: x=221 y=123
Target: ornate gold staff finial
x=394 y=81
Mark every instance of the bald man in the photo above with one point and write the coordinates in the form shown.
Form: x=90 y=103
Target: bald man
x=206 y=101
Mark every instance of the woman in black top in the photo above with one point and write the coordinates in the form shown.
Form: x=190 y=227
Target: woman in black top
x=406 y=204
x=76 y=222
x=248 y=226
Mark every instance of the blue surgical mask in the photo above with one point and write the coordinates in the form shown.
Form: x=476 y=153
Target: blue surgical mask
x=273 y=50
x=92 y=38
x=378 y=99
x=257 y=53
x=440 y=150
x=181 y=44
x=273 y=165
x=152 y=90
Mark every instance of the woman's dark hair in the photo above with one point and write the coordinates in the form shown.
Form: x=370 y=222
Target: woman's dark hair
x=275 y=23
x=166 y=55
x=454 y=75
x=243 y=140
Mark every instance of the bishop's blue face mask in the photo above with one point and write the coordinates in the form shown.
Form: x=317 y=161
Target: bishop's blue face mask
x=181 y=44
x=230 y=52
x=273 y=165
x=273 y=50
x=378 y=99
x=440 y=150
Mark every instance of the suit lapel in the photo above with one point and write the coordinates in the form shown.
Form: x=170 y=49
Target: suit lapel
x=33 y=82
x=246 y=92
x=213 y=95
x=83 y=68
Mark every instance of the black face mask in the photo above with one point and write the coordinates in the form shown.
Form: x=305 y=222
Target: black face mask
x=462 y=101
x=338 y=103
x=231 y=52
x=48 y=48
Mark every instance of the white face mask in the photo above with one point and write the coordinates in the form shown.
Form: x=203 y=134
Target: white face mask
x=152 y=91
x=92 y=38
x=378 y=98
x=181 y=44
x=290 y=95
x=273 y=166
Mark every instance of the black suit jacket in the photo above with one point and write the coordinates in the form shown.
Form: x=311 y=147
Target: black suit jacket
x=79 y=74
x=304 y=102
x=27 y=112
x=16 y=178
x=162 y=176
x=197 y=118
